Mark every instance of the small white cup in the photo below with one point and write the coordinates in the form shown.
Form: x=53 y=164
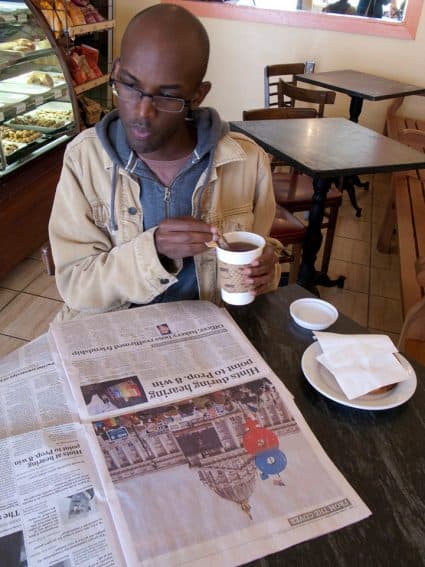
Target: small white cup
x=231 y=264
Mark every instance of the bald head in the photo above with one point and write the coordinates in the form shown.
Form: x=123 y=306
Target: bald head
x=169 y=29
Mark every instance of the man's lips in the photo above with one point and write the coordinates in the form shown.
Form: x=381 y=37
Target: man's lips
x=140 y=132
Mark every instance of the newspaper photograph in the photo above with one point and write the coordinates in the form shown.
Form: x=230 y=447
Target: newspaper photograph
x=229 y=476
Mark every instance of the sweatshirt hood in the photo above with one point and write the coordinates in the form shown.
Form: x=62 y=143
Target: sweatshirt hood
x=210 y=129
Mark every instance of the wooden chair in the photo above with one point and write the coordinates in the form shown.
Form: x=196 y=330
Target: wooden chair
x=290 y=231
x=47 y=258
x=319 y=97
x=272 y=74
x=278 y=113
x=294 y=191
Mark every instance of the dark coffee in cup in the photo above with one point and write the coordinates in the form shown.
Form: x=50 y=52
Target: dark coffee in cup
x=240 y=246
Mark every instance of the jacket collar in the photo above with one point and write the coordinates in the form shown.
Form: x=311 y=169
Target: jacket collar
x=227 y=151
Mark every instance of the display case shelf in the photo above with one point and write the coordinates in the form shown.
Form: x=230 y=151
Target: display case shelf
x=91 y=84
x=9 y=59
x=84 y=29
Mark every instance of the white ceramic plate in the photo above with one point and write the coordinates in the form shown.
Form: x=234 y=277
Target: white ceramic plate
x=323 y=381
x=312 y=313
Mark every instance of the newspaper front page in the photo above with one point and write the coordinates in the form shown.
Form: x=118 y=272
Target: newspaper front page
x=200 y=448
x=53 y=510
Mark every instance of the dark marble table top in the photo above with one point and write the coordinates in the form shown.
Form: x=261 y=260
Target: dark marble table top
x=362 y=85
x=380 y=453
x=330 y=147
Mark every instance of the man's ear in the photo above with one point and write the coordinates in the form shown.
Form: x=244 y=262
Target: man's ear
x=115 y=67
x=202 y=91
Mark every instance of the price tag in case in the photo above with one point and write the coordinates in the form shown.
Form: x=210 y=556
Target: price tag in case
x=21 y=108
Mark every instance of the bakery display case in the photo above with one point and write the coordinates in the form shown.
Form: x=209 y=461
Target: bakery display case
x=51 y=54
x=36 y=107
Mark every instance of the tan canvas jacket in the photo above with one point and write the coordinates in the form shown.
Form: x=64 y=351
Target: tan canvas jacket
x=99 y=269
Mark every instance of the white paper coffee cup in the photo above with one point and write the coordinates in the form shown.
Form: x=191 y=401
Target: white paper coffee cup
x=231 y=264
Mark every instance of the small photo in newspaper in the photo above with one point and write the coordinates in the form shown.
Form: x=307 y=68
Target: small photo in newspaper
x=78 y=505
x=12 y=550
x=110 y=395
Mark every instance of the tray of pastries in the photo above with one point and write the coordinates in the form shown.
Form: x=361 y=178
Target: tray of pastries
x=20 y=45
x=33 y=82
x=10 y=148
x=46 y=118
x=18 y=135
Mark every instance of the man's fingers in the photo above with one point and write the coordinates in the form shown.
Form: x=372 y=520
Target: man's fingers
x=182 y=237
x=186 y=224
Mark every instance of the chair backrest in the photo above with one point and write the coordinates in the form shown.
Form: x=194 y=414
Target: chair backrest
x=278 y=113
x=319 y=97
x=272 y=73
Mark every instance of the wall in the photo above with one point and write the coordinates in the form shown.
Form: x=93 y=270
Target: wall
x=240 y=50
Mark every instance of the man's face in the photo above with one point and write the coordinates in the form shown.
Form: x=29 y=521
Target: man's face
x=157 y=68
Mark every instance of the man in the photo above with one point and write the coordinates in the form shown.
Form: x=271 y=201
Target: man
x=142 y=193
x=340 y=7
x=371 y=8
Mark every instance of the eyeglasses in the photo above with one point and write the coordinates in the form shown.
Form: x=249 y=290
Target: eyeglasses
x=163 y=103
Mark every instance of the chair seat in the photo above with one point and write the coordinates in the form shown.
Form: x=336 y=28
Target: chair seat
x=295 y=191
x=286 y=228
x=289 y=231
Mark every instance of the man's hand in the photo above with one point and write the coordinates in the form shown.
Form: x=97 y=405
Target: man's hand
x=260 y=273
x=182 y=237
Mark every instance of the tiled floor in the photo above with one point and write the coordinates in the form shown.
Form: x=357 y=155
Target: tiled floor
x=371 y=296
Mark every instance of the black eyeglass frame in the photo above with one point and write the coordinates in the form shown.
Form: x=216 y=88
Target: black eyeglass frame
x=142 y=94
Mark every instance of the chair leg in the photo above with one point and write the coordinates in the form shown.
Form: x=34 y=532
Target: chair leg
x=388 y=224
x=295 y=265
x=330 y=233
x=348 y=185
x=47 y=258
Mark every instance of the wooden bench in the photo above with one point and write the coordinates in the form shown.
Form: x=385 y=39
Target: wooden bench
x=406 y=212
x=395 y=123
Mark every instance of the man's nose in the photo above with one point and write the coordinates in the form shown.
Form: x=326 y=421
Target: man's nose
x=146 y=106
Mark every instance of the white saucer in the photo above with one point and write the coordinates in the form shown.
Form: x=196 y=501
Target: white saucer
x=323 y=381
x=312 y=313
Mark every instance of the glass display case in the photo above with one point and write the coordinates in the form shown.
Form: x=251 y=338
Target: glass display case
x=54 y=56
x=37 y=112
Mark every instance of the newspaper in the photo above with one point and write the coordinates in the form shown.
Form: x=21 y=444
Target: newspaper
x=175 y=444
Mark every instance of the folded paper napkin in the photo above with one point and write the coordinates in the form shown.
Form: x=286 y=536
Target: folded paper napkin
x=360 y=363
